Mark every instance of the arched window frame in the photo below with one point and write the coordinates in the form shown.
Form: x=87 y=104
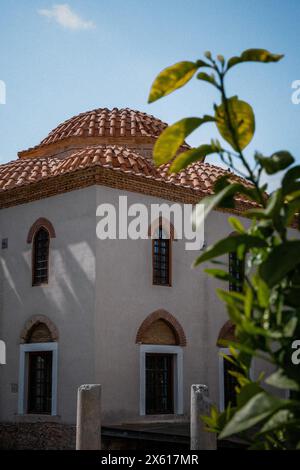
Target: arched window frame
x=176 y=351
x=35 y=280
x=162 y=239
x=45 y=224
x=26 y=349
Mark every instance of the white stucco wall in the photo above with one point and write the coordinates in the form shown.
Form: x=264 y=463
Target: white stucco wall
x=68 y=300
x=98 y=295
x=125 y=296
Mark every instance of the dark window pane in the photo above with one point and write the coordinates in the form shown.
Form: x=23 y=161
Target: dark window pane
x=236 y=270
x=159 y=384
x=40 y=257
x=40 y=382
x=161 y=260
x=230 y=383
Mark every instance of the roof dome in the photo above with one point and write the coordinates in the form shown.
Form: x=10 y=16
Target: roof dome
x=99 y=126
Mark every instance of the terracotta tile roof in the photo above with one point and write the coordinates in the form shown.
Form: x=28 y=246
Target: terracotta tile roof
x=107 y=156
x=102 y=122
x=22 y=172
x=200 y=177
x=25 y=171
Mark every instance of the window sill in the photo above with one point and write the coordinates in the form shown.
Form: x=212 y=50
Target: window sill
x=161 y=285
x=162 y=418
x=37 y=418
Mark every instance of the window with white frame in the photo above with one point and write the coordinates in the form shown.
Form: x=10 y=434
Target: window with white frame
x=161 y=380
x=38 y=372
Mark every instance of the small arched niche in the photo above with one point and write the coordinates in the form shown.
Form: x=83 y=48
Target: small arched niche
x=39 y=333
x=159 y=332
x=39 y=329
x=227 y=333
x=161 y=328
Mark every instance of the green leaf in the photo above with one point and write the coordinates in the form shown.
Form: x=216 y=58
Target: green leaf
x=210 y=202
x=192 y=155
x=221 y=183
x=273 y=206
x=279 y=419
x=278 y=161
x=220 y=274
x=262 y=291
x=207 y=78
x=172 y=78
x=283 y=259
x=291 y=325
x=280 y=380
x=255 y=410
x=290 y=181
x=241 y=122
x=173 y=137
x=236 y=224
x=247 y=392
x=230 y=244
x=254 y=55
x=224 y=181
x=248 y=301
x=231 y=297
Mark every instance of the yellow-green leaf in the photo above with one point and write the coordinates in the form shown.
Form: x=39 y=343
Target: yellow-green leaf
x=236 y=224
x=238 y=125
x=207 y=78
x=171 y=79
x=254 y=55
x=195 y=154
x=173 y=137
x=278 y=161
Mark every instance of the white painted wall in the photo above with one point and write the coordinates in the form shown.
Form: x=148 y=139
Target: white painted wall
x=98 y=295
x=68 y=300
x=125 y=296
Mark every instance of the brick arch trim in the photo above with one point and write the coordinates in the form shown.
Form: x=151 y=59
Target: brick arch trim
x=41 y=222
x=168 y=318
x=227 y=333
x=35 y=319
x=166 y=225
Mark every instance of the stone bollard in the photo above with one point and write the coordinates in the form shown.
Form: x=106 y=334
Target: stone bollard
x=200 y=405
x=88 y=428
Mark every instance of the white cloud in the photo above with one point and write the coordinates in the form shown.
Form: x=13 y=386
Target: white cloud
x=67 y=18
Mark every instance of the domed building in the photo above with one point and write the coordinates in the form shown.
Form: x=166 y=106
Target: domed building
x=129 y=314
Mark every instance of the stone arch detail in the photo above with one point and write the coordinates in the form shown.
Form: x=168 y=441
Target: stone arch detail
x=227 y=333
x=41 y=222
x=36 y=320
x=166 y=225
x=169 y=319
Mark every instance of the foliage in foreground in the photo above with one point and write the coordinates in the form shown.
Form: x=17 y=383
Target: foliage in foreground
x=266 y=311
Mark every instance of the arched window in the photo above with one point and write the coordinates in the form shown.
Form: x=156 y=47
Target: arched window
x=161 y=256
x=39 y=235
x=38 y=367
x=161 y=338
x=236 y=271
x=40 y=259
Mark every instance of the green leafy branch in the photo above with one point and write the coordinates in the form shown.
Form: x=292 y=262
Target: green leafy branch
x=266 y=311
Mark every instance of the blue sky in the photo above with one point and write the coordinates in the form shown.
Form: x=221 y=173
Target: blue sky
x=56 y=65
